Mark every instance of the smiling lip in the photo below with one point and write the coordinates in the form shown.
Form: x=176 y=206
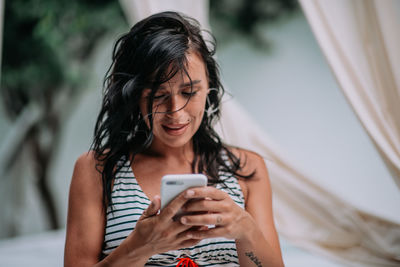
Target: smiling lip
x=175 y=129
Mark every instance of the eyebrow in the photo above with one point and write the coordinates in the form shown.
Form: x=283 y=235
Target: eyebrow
x=183 y=85
x=189 y=84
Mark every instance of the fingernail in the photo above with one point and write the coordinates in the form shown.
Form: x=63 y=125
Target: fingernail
x=189 y=193
x=189 y=235
x=183 y=220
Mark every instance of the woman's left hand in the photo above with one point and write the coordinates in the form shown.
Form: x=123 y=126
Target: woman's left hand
x=210 y=206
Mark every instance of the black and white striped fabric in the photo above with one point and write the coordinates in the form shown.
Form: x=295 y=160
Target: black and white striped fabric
x=129 y=202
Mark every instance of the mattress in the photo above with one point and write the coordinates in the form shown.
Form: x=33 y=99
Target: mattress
x=47 y=249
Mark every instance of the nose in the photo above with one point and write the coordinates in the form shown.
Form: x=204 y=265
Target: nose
x=175 y=105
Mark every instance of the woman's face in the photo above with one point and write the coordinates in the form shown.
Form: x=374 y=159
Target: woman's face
x=178 y=107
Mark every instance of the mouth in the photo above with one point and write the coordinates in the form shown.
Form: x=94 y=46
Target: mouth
x=175 y=129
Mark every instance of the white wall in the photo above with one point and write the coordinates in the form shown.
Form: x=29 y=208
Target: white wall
x=291 y=92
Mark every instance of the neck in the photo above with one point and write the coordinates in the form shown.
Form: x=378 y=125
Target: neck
x=164 y=152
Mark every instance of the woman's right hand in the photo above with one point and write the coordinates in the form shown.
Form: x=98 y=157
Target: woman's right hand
x=159 y=232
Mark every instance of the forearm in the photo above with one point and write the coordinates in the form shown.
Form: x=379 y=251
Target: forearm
x=124 y=255
x=255 y=251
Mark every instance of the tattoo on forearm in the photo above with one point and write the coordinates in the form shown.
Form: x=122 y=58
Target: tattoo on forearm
x=253 y=258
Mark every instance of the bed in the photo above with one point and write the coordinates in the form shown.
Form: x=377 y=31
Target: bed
x=46 y=250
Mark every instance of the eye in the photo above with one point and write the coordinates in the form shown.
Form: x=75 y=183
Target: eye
x=159 y=96
x=187 y=94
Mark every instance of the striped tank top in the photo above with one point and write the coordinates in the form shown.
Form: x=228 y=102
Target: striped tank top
x=129 y=203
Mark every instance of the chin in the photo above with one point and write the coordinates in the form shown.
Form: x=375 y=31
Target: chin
x=177 y=143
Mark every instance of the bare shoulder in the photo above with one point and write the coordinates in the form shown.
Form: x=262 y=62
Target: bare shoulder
x=87 y=161
x=86 y=179
x=250 y=162
x=86 y=168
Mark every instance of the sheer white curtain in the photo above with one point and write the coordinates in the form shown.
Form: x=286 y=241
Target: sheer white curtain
x=136 y=10
x=306 y=214
x=361 y=41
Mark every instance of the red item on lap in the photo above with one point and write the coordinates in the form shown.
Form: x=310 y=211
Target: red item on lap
x=186 y=262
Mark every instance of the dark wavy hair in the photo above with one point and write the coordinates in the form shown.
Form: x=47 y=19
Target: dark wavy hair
x=150 y=54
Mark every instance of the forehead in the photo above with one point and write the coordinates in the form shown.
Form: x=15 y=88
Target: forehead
x=195 y=69
x=195 y=63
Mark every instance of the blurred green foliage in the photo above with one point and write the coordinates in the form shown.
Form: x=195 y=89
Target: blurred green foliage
x=45 y=43
x=246 y=17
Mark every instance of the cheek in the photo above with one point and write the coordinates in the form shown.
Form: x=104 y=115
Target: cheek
x=143 y=107
x=199 y=111
x=157 y=121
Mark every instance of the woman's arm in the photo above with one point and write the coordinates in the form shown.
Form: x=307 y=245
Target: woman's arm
x=252 y=228
x=260 y=245
x=86 y=220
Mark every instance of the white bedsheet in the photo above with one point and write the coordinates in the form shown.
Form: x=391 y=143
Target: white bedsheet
x=46 y=250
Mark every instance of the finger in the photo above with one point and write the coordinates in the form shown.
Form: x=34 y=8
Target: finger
x=168 y=212
x=207 y=192
x=175 y=230
x=203 y=228
x=157 y=202
x=210 y=233
x=188 y=234
x=153 y=208
x=190 y=243
x=198 y=205
x=204 y=219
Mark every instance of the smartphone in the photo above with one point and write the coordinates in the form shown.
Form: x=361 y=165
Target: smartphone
x=173 y=184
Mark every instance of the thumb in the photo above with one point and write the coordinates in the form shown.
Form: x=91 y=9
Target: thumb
x=153 y=208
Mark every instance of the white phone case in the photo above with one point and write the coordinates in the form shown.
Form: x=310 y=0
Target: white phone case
x=173 y=184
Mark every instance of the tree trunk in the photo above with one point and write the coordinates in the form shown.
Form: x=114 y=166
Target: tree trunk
x=43 y=154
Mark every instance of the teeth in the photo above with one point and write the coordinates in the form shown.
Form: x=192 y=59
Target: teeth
x=174 y=127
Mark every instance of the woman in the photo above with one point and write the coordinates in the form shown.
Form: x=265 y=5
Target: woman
x=161 y=98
